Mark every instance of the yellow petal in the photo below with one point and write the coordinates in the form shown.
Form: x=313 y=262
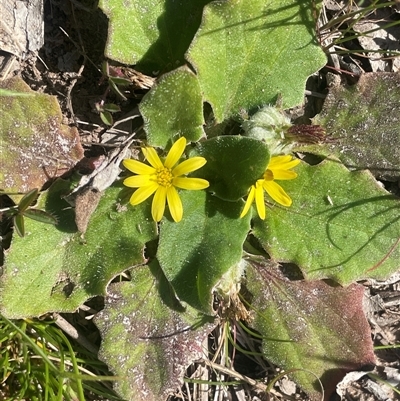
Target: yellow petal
x=188 y=166
x=289 y=165
x=283 y=163
x=277 y=193
x=190 y=183
x=142 y=194
x=138 y=181
x=276 y=160
x=158 y=205
x=284 y=175
x=151 y=155
x=175 y=152
x=138 y=167
x=249 y=201
x=175 y=204
x=260 y=199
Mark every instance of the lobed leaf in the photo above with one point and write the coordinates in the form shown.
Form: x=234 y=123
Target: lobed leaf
x=152 y=34
x=173 y=108
x=234 y=163
x=34 y=144
x=317 y=329
x=65 y=268
x=149 y=339
x=342 y=225
x=195 y=253
x=248 y=52
x=362 y=121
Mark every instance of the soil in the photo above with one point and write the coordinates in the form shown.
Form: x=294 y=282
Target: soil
x=68 y=66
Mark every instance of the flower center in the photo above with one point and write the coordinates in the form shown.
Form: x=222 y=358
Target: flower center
x=164 y=177
x=268 y=175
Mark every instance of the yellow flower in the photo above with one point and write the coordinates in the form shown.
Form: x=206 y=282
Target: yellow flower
x=277 y=169
x=163 y=179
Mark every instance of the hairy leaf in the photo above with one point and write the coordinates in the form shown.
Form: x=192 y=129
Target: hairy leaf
x=149 y=339
x=195 y=253
x=342 y=225
x=152 y=34
x=34 y=144
x=234 y=163
x=317 y=329
x=364 y=124
x=248 y=52
x=173 y=108
x=64 y=267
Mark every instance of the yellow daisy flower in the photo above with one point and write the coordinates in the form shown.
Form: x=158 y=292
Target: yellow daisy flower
x=163 y=179
x=277 y=169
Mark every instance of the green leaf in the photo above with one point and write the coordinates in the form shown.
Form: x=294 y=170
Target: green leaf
x=149 y=339
x=65 y=268
x=41 y=215
x=111 y=107
x=173 y=108
x=362 y=120
x=6 y=92
x=152 y=34
x=34 y=144
x=27 y=199
x=115 y=89
x=247 y=52
x=19 y=224
x=106 y=117
x=120 y=81
x=342 y=225
x=310 y=326
x=196 y=252
x=234 y=163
